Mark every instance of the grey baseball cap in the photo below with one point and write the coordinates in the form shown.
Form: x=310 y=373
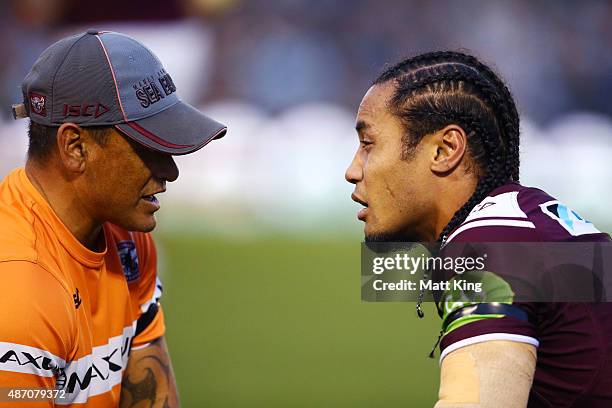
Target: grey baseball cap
x=103 y=78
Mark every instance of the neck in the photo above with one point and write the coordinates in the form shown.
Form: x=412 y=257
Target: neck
x=455 y=193
x=65 y=202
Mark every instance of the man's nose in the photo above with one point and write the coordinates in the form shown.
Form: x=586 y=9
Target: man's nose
x=354 y=172
x=165 y=168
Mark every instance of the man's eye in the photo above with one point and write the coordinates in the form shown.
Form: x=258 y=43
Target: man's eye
x=365 y=143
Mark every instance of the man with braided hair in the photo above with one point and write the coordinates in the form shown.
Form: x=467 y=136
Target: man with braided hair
x=438 y=160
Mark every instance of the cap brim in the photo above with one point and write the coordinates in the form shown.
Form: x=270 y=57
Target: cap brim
x=180 y=129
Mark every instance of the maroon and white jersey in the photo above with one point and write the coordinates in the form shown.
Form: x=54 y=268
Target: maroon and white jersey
x=573 y=340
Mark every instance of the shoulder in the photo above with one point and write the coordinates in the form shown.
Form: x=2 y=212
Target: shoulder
x=555 y=220
x=33 y=279
x=515 y=213
x=17 y=236
x=38 y=308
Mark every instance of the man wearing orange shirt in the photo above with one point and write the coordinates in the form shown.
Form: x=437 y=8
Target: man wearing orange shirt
x=81 y=320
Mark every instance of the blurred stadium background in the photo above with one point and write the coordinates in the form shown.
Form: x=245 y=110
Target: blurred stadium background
x=259 y=240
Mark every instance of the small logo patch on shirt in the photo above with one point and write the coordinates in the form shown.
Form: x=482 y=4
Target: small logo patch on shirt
x=568 y=218
x=77 y=299
x=129 y=260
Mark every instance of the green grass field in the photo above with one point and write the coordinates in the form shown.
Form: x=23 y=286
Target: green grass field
x=278 y=322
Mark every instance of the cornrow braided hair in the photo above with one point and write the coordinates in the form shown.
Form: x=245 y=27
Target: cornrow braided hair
x=440 y=88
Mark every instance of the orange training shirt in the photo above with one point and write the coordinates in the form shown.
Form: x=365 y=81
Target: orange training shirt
x=69 y=316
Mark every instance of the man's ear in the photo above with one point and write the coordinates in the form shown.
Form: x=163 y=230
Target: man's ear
x=450 y=145
x=70 y=146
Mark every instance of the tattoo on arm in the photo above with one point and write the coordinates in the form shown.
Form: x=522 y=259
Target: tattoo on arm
x=149 y=380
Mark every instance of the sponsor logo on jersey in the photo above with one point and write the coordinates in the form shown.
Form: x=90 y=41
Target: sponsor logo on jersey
x=568 y=218
x=90 y=375
x=28 y=359
x=129 y=260
x=98 y=368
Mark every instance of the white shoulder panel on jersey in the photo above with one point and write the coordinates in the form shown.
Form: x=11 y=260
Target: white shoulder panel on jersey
x=502 y=210
x=503 y=205
x=490 y=223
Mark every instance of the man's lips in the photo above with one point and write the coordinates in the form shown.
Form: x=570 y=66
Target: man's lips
x=150 y=198
x=361 y=215
x=357 y=199
x=162 y=190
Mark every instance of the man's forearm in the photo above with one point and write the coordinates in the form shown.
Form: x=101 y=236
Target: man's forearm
x=149 y=378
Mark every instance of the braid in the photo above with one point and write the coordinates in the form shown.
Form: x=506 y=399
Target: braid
x=508 y=112
x=439 y=88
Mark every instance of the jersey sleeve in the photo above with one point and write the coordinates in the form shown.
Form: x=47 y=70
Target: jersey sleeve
x=147 y=294
x=479 y=323
x=39 y=328
x=501 y=233
x=499 y=309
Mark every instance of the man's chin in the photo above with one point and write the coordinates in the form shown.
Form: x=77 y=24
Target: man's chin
x=147 y=225
x=147 y=228
x=387 y=237
x=385 y=242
